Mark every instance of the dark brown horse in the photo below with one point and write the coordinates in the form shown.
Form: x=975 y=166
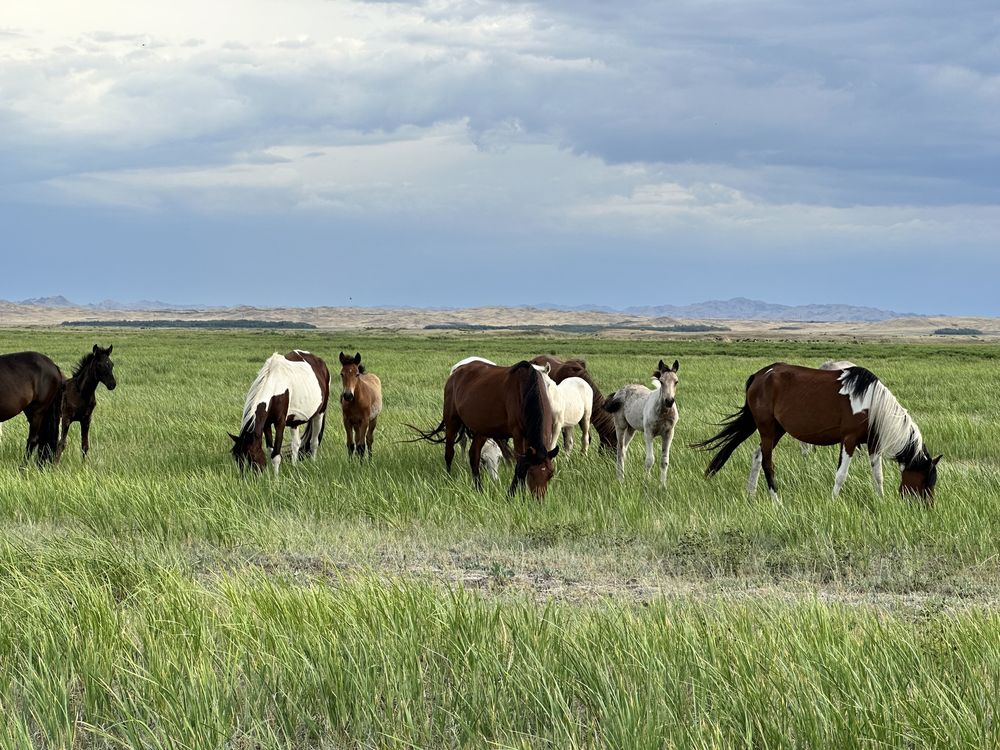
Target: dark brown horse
x=290 y=390
x=81 y=389
x=32 y=383
x=360 y=403
x=600 y=420
x=851 y=407
x=499 y=403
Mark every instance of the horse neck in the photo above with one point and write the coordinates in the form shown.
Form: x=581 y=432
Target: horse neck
x=891 y=427
x=85 y=382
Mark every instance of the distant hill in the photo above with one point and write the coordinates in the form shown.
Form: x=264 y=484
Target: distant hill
x=144 y=305
x=57 y=301
x=742 y=308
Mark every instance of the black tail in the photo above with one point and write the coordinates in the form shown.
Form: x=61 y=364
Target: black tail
x=48 y=438
x=307 y=437
x=612 y=403
x=735 y=429
x=434 y=436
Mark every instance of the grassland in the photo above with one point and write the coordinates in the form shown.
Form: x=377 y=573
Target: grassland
x=154 y=597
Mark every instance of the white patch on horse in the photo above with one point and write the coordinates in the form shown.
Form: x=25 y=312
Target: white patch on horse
x=279 y=375
x=469 y=360
x=859 y=402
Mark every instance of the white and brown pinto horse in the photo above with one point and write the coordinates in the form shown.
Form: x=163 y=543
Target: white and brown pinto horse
x=360 y=403
x=290 y=390
x=849 y=407
x=652 y=411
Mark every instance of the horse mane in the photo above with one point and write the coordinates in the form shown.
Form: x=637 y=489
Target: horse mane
x=532 y=406
x=254 y=394
x=83 y=364
x=891 y=429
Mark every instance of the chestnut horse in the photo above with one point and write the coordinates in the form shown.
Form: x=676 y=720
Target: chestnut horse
x=851 y=407
x=600 y=420
x=32 y=383
x=81 y=399
x=290 y=390
x=499 y=403
x=361 y=403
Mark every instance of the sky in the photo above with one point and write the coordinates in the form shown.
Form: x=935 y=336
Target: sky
x=460 y=153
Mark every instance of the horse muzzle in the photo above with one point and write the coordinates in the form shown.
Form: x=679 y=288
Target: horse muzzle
x=668 y=402
x=346 y=396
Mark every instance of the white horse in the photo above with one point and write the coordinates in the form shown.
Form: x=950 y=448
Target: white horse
x=654 y=411
x=571 y=402
x=830 y=364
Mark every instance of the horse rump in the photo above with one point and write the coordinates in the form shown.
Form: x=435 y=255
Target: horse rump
x=613 y=403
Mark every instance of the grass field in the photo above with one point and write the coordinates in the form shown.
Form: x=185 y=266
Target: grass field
x=154 y=597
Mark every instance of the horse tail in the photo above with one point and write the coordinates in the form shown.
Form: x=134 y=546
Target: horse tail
x=307 y=436
x=736 y=428
x=48 y=437
x=613 y=403
x=432 y=436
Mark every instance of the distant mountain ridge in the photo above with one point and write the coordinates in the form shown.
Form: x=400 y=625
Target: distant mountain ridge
x=738 y=308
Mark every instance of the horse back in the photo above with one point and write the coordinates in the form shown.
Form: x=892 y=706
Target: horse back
x=478 y=395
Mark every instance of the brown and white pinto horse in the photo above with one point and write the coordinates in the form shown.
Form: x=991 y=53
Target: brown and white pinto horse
x=81 y=399
x=360 y=403
x=32 y=383
x=290 y=390
x=600 y=420
x=499 y=403
x=851 y=407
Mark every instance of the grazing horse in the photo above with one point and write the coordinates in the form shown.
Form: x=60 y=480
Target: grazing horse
x=81 y=399
x=600 y=420
x=290 y=390
x=499 y=403
x=360 y=402
x=32 y=383
x=851 y=407
x=492 y=451
x=636 y=407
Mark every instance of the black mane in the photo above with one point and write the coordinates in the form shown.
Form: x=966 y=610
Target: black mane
x=857 y=380
x=83 y=364
x=532 y=406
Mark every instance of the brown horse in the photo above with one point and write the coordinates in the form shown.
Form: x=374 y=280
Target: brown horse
x=81 y=399
x=32 y=383
x=499 y=403
x=851 y=407
x=600 y=420
x=361 y=403
x=290 y=390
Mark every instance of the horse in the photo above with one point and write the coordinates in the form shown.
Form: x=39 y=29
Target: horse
x=636 y=407
x=600 y=420
x=361 y=403
x=80 y=399
x=290 y=390
x=571 y=402
x=830 y=364
x=499 y=403
x=851 y=407
x=492 y=451
x=32 y=383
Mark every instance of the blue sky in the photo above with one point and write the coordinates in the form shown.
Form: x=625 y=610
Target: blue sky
x=462 y=153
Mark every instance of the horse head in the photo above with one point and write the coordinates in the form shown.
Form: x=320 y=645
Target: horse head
x=248 y=451
x=536 y=468
x=350 y=370
x=668 y=380
x=103 y=366
x=919 y=477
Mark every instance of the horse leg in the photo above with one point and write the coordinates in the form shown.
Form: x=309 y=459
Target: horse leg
x=370 y=435
x=63 y=434
x=568 y=438
x=846 y=454
x=360 y=430
x=296 y=444
x=876 y=460
x=85 y=436
x=349 y=429
x=585 y=426
x=666 y=440
x=755 y=464
x=279 y=436
x=649 y=438
x=316 y=425
x=475 y=459
x=452 y=432
x=625 y=435
x=768 y=439
x=268 y=441
x=34 y=431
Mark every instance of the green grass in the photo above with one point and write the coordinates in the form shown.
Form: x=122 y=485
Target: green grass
x=155 y=597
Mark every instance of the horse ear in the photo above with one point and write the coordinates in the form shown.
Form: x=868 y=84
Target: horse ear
x=548 y=368
x=676 y=367
x=96 y=349
x=357 y=358
x=344 y=359
x=935 y=461
x=109 y=349
x=662 y=366
x=553 y=453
